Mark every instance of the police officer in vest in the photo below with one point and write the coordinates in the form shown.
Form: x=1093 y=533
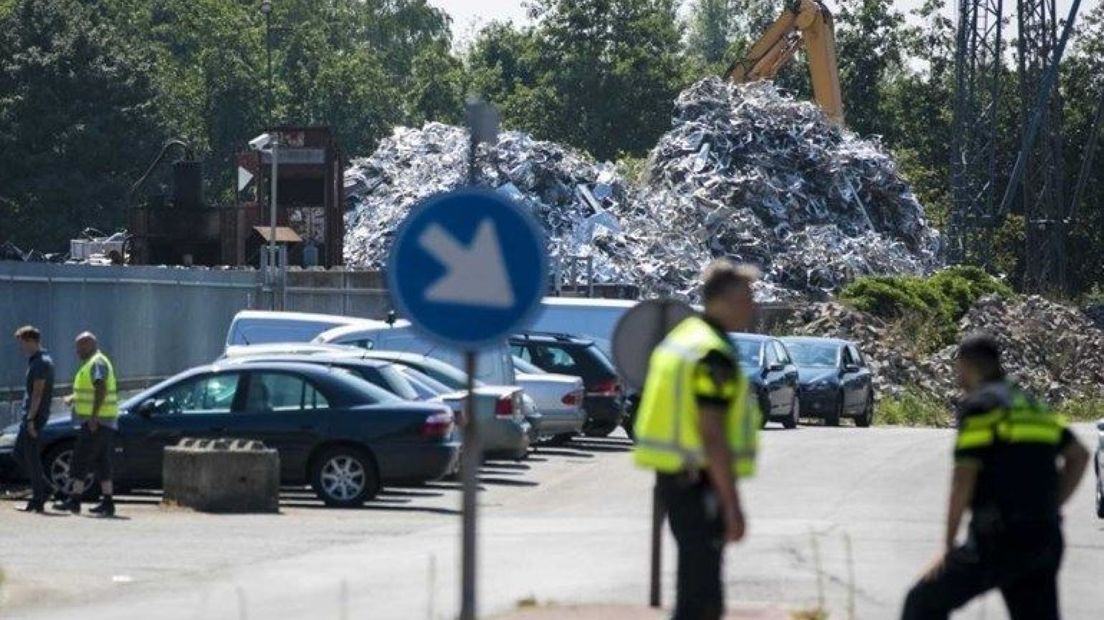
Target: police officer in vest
x=696 y=428
x=96 y=408
x=1016 y=464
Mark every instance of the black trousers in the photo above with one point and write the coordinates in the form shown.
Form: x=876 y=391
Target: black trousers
x=1024 y=567
x=27 y=451
x=694 y=512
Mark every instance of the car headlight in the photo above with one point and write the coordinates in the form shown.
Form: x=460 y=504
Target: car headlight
x=7 y=440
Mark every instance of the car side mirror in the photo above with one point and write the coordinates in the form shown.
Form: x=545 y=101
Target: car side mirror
x=149 y=407
x=1100 y=426
x=775 y=367
x=851 y=368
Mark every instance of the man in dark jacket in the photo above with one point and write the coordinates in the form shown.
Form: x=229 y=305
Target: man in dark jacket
x=37 y=393
x=1016 y=464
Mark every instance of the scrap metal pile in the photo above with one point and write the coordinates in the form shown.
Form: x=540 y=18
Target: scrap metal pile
x=750 y=173
x=569 y=195
x=746 y=172
x=1054 y=350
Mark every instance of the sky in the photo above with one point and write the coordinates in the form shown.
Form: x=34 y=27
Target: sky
x=469 y=15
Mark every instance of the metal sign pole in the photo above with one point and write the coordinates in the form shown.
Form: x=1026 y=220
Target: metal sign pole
x=469 y=471
x=658 y=514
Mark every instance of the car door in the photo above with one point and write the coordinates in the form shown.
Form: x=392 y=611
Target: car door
x=789 y=374
x=773 y=380
x=849 y=380
x=864 y=379
x=285 y=411
x=198 y=406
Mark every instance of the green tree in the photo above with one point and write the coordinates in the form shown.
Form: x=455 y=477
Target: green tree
x=600 y=75
x=77 y=120
x=869 y=40
x=710 y=31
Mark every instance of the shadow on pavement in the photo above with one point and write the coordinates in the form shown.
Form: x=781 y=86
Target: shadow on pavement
x=508 y=482
x=566 y=452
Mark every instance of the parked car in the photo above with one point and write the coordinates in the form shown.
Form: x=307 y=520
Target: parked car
x=339 y=434
x=772 y=375
x=558 y=397
x=834 y=381
x=507 y=430
x=604 y=400
x=1098 y=461
x=590 y=318
x=493 y=367
x=253 y=327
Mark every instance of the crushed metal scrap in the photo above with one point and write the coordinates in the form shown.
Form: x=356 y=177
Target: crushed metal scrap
x=745 y=172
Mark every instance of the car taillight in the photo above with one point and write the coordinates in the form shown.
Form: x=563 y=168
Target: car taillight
x=572 y=398
x=438 y=425
x=504 y=407
x=608 y=387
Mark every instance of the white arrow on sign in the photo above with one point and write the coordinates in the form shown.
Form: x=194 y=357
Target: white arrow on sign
x=244 y=177
x=475 y=275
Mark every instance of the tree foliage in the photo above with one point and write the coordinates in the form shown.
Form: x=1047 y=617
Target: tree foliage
x=89 y=91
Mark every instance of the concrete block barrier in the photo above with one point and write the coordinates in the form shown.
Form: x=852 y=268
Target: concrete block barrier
x=222 y=475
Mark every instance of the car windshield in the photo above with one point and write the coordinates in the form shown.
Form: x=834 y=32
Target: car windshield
x=813 y=354
x=748 y=351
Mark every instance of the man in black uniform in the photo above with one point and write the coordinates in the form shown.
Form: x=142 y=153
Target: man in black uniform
x=1016 y=464
x=37 y=394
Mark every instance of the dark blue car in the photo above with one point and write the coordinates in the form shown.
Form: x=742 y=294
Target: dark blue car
x=771 y=375
x=334 y=431
x=835 y=382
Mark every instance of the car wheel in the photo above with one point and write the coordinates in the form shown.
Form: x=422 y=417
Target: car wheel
x=58 y=462
x=628 y=426
x=1099 y=502
x=833 y=418
x=867 y=417
x=795 y=414
x=345 y=477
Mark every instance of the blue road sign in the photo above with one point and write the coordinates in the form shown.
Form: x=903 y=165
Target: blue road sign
x=468 y=268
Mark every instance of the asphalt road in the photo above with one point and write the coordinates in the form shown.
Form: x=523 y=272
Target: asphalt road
x=570 y=525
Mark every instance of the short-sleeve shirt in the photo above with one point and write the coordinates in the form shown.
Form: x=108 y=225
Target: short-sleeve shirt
x=714 y=374
x=40 y=367
x=1017 y=483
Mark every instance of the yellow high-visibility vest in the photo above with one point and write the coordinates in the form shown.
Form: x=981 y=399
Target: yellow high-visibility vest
x=1025 y=421
x=84 y=391
x=667 y=430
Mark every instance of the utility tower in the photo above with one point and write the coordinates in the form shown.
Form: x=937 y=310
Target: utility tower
x=1044 y=202
x=978 y=68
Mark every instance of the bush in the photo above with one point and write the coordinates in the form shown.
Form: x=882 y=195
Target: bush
x=937 y=302
x=1082 y=409
x=913 y=409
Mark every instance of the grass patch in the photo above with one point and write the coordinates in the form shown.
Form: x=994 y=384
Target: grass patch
x=912 y=409
x=1082 y=409
x=528 y=602
x=927 y=307
x=809 y=614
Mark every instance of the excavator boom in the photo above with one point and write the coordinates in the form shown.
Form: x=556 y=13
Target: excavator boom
x=805 y=22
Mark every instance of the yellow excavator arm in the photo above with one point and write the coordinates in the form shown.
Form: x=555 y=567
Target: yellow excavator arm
x=805 y=22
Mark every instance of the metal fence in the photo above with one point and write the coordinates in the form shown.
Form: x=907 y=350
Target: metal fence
x=152 y=322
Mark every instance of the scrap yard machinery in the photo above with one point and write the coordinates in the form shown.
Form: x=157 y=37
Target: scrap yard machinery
x=803 y=22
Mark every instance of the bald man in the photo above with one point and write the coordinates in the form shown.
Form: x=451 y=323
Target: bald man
x=96 y=409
